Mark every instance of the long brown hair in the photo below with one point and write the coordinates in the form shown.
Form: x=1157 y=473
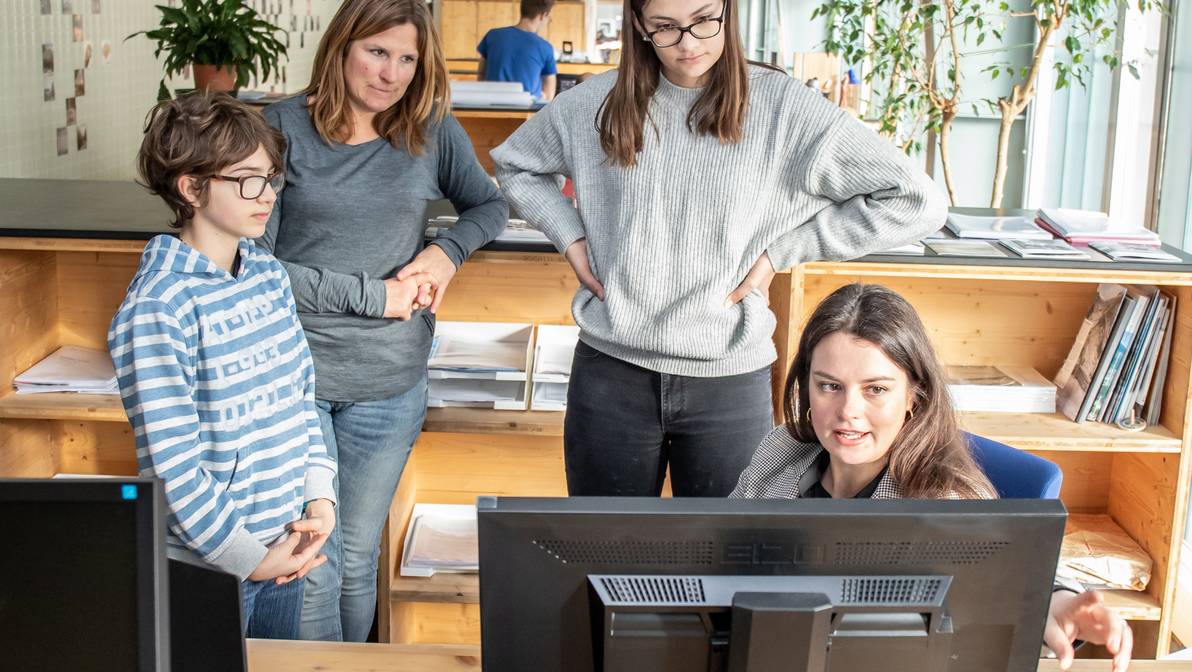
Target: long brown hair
x=719 y=110
x=930 y=457
x=427 y=98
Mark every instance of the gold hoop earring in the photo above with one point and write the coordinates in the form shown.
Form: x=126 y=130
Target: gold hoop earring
x=808 y=415
x=911 y=412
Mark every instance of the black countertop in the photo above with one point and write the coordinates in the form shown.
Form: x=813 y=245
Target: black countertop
x=118 y=210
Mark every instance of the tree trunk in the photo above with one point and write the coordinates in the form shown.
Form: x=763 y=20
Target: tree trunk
x=1003 y=149
x=945 y=132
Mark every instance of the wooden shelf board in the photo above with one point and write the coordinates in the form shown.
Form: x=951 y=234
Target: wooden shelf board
x=130 y=246
x=1028 y=431
x=62 y=406
x=1053 y=431
x=486 y=421
x=1133 y=605
x=1010 y=272
x=442 y=587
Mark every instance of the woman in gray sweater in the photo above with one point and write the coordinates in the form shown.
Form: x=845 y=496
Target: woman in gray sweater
x=370 y=143
x=696 y=176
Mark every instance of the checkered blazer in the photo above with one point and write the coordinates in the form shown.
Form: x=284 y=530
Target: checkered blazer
x=783 y=468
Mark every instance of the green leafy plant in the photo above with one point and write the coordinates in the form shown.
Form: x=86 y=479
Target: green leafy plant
x=914 y=52
x=215 y=32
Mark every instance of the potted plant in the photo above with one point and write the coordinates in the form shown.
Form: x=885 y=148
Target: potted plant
x=224 y=40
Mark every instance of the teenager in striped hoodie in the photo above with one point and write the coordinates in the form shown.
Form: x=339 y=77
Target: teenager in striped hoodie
x=214 y=369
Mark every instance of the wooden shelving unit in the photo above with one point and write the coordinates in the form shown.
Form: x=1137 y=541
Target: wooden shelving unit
x=63 y=291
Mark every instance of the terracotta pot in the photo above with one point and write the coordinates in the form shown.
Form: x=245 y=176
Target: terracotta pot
x=215 y=77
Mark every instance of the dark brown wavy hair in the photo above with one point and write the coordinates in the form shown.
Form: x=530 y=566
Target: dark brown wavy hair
x=427 y=98
x=200 y=134
x=930 y=457
x=719 y=111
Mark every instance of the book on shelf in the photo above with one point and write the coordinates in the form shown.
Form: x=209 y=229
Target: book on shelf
x=1121 y=251
x=1076 y=374
x=955 y=247
x=1119 y=376
x=1004 y=389
x=441 y=538
x=1153 y=390
x=70 y=369
x=1086 y=226
x=995 y=228
x=1051 y=248
x=1115 y=353
x=1122 y=352
x=1116 y=408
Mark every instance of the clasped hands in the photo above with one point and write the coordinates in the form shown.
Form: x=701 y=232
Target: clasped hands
x=421 y=283
x=759 y=276
x=297 y=553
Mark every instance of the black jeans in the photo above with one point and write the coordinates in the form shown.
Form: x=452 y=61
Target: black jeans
x=625 y=424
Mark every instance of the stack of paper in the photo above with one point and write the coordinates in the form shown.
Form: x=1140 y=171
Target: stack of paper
x=553 y=351
x=441 y=538
x=516 y=230
x=480 y=364
x=70 y=369
x=1087 y=226
x=490 y=94
x=955 y=247
x=1004 y=389
x=995 y=228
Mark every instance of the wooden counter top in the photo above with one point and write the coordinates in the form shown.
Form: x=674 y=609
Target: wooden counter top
x=267 y=656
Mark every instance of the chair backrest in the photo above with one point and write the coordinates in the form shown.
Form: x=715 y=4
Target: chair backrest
x=1016 y=474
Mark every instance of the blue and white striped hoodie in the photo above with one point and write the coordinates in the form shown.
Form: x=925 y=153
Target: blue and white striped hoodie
x=219 y=385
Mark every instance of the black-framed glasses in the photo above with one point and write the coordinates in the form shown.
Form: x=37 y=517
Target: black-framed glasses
x=669 y=36
x=252 y=186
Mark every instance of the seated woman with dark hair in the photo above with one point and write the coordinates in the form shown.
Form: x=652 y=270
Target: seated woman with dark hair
x=867 y=414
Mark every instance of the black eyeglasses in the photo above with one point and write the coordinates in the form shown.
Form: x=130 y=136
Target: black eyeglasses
x=669 y=36
x=252 y=186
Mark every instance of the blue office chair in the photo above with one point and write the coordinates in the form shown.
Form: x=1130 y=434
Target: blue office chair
x=1016 y=474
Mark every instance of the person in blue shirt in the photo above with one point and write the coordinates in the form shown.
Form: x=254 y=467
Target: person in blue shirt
x=519 y=54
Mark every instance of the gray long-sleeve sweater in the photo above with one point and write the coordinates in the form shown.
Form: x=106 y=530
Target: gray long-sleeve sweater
x=671 y=238
x=351 y=216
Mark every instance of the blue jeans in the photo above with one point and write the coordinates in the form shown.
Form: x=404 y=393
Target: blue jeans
x=371 y=441
x=625 y=424
x=272 y=611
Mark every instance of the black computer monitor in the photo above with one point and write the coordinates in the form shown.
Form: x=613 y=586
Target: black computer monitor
x=83 y=583
x=206 y=624
x=603 y=584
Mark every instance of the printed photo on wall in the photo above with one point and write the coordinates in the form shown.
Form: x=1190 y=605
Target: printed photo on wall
x=72 y=112
x=48 y=89
x=106 y=48
x=47 y=59
x=81 y=137
x=47 y=7
x=77 y=19
x=62 y=141
x=68 y=6
x=95 y=6
x=87 y=54
x=80 y=84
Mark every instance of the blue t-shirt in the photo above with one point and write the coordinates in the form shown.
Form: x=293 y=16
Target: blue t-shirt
x=515 y=55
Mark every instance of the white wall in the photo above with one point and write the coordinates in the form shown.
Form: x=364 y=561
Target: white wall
x=119 y=89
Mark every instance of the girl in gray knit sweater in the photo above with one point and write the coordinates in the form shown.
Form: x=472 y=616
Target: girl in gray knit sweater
x=697 y=176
